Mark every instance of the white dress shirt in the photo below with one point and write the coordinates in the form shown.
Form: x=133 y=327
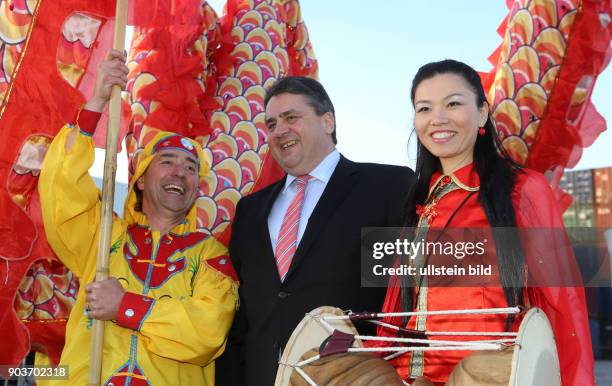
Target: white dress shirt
x=321 y=175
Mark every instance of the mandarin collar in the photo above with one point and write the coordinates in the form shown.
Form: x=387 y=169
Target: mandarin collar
x=466 y=178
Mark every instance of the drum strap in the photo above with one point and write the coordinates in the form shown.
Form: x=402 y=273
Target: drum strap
x=337 y=343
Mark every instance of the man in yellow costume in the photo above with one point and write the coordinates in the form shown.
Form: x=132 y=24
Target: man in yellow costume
x=172 y=292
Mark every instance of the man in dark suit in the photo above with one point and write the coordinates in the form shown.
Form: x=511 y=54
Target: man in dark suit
x=296 y=243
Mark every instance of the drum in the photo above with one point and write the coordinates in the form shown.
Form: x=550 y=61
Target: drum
x=535 y=360
x=324 y=351
x=356 y=369
x=531 y=361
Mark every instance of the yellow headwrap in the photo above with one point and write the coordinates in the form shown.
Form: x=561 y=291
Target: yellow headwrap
x=143 y=159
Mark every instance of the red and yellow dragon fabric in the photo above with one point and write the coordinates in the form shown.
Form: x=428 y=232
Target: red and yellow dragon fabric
x=540 y=88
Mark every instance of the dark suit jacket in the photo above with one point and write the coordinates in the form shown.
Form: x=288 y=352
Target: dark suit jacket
x=325 y=269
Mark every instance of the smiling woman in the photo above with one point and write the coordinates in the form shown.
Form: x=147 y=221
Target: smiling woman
x=463 y=182
x=447 y=119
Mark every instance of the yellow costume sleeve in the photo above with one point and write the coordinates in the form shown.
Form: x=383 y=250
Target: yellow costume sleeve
x=194 y=329
x=70 y=202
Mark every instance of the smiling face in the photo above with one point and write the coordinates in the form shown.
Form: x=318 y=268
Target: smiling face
x=298 y=137
x=170 y=184
x=447 y=118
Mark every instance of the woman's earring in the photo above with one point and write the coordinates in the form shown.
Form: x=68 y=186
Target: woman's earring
x=481 y=131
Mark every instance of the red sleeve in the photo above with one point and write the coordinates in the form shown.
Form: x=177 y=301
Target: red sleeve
x=133 y=310
x=550 y=259
x=87 y=121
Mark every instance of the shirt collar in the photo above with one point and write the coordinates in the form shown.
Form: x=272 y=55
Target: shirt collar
x=466 y=178
x=322 y=171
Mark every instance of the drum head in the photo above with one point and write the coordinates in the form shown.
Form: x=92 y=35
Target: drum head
x=309 y=335
x=535 y=361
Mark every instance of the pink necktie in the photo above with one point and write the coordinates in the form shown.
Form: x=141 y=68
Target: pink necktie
x=287 y=237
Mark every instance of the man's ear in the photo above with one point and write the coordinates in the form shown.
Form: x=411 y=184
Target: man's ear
x=140 y=183
x=330 y=123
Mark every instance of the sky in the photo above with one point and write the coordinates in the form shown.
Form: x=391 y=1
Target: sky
x=369 y=54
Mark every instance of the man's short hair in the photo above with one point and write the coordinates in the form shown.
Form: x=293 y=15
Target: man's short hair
x=313 y=91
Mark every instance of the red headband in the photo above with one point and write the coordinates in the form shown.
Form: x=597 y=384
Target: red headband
x=176 y=142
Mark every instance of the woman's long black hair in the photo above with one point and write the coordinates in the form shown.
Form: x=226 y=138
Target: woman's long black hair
x=497 y=175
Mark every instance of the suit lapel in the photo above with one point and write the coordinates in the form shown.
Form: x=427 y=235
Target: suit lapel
x=338 y=187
